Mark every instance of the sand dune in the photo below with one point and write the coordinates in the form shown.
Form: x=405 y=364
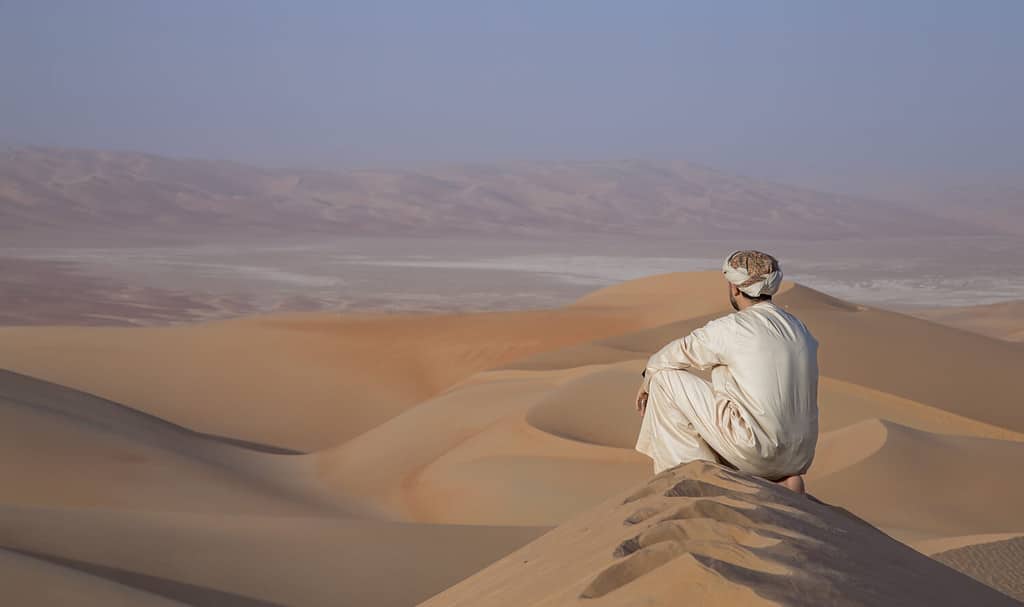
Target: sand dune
x=231 y=559
x=316 y=459
x=946 y=544
x=705 y=535
x=843 y=404
x=999 y=564
x=29 y=580
x=91 y=487
x=57 y=443
x=592 y=408
x=291 y=381
x=484 y=464
x=932 y=482
x=250 y=371
x=665 y=297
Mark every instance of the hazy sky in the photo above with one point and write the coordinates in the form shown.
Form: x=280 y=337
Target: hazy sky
x=830 y=93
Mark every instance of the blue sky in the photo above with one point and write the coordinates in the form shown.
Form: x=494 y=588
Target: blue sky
x=851 y=95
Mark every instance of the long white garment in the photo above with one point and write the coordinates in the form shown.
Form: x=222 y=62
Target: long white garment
x=760 y=411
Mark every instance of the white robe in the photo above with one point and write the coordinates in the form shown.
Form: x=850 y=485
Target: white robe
x=760 y=410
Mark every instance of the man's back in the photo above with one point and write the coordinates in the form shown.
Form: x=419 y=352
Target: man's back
x=770 y=371
x=760 y=412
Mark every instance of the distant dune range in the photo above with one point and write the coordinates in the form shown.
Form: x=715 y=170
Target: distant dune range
x=315 y=459
x=1002 y=320
x=132 y=196
x=997 y=207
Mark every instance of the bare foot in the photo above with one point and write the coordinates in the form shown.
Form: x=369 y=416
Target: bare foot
x=793 y=483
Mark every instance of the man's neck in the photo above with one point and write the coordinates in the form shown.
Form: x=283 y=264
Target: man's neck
x=745 y=303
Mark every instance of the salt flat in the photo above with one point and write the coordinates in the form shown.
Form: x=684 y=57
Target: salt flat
x=166 y=284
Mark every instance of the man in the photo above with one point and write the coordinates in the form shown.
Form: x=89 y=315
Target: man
x=759 y=413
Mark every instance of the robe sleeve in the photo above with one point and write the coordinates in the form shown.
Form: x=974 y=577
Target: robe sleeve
x=700 y=349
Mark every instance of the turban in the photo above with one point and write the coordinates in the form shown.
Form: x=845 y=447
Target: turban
x=753 y=272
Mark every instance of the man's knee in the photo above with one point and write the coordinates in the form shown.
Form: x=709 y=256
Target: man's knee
x=658 y=386
x=671 y=380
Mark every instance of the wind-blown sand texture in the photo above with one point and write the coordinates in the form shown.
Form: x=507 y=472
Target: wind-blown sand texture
x=996 y=563
x=701 y=534
x=324 y=460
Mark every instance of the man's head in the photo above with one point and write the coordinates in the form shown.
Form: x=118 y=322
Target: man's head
x=753 y=276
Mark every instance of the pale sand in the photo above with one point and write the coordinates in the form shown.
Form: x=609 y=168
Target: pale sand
x=433 y=445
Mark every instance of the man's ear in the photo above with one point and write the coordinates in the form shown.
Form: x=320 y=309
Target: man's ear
x=734 y=290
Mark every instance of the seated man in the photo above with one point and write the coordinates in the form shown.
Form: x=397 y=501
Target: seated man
x=759 y=413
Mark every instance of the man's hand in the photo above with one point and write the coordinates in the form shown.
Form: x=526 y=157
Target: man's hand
x=641 y=400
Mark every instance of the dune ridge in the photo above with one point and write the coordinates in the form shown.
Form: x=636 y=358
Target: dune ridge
x=705 y=533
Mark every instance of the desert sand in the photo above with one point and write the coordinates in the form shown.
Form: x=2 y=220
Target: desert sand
x=702 y=534
x=485 y=459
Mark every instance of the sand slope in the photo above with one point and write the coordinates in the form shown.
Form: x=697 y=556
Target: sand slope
x=61 y=446
x=303 y=382
x=317 y=459
x=124 y=508
x=203 y=559
x=29 y=580
x=999 y=564
x=916 y=469
x=702 y=534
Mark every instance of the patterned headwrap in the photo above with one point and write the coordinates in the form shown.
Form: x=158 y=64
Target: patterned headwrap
x=753 y=272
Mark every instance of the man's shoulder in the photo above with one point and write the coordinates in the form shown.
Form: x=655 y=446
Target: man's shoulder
x=791 y=319
x=722 y=323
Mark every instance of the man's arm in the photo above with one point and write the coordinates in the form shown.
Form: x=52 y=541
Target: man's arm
x=700 y=349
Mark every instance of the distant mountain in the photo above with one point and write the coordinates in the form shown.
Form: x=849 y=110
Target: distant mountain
x=1004 y=320
x=59 y=190
x=992 y=206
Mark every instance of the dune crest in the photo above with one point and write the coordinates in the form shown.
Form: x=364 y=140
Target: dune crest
x=700 y=532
